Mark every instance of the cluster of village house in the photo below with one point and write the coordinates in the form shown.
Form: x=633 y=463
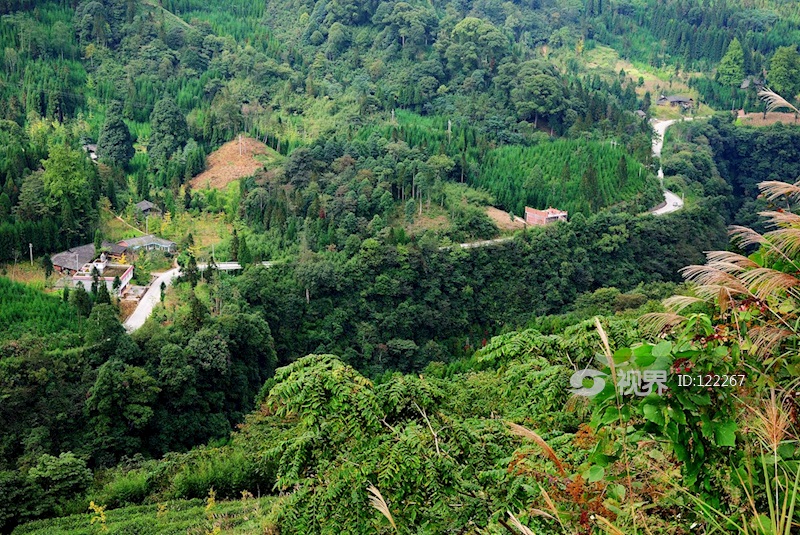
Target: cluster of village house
x=84 y=264
x=80 y=263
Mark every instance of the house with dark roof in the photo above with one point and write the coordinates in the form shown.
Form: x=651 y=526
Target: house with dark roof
x=91 y=150
x=114 y=250
x=147 y=208
x=71 y=260
x=150 y=242
x=676 y=100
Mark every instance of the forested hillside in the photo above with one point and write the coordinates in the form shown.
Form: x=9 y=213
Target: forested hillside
x=404 y=362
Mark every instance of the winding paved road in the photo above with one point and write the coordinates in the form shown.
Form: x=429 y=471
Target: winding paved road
x=672 y=202
x=153 y=294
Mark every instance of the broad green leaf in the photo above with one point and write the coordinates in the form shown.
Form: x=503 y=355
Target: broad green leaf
x=594 y=474
x=644 y=350
x=643 y=361
x=662 y=349
x=622 y=354
x=616 y=491
x=725 y=434
x=653 y=413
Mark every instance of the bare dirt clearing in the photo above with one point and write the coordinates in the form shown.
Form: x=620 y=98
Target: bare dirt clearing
x=503 y=219
x=757 y=119
x=225 y=164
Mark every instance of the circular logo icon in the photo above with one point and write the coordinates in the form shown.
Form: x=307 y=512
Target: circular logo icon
x=576 y=382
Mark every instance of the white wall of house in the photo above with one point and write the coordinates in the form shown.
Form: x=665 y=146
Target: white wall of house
x=86 y=281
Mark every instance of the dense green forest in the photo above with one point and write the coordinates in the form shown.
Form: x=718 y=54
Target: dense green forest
x=720 y=160
x=405 y=363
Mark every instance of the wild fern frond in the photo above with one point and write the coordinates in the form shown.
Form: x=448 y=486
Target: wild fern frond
x=774 y=101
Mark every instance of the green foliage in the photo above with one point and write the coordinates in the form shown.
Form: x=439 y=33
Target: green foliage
x=25 y=310
x=168 y=133
x=426 y=441
x=125 y=487
x=120 y=400
x=244 y=257
x=379 y=109
x=699 y=423
x=225 y=470
x=554 y=174
x=60 y=478
x=731 y=67
x=166 y=517
x=784 y=72
x=68 y=179
x=358 y=302
x=719 y=160
x=114 y=144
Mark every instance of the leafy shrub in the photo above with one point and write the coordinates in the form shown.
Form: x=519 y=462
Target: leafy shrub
x=60 y=478
x=126 y=489
x=19 y=499
x=227 y=471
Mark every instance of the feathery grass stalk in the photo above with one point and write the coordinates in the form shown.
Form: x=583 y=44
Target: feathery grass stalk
x=608 y=526
x=377 y=501
x=552 y=506
x=525 y=530
x=773 y=427
x=521 y=431
x=610 y=358
x=774 y=101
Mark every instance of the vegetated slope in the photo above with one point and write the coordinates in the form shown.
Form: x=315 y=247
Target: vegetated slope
x=176 y=517
x=231 y=161
x=718 y=159
x=573 y=175
x=26 y=310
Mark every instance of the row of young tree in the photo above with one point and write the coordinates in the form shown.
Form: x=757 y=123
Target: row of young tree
x=573 y=175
